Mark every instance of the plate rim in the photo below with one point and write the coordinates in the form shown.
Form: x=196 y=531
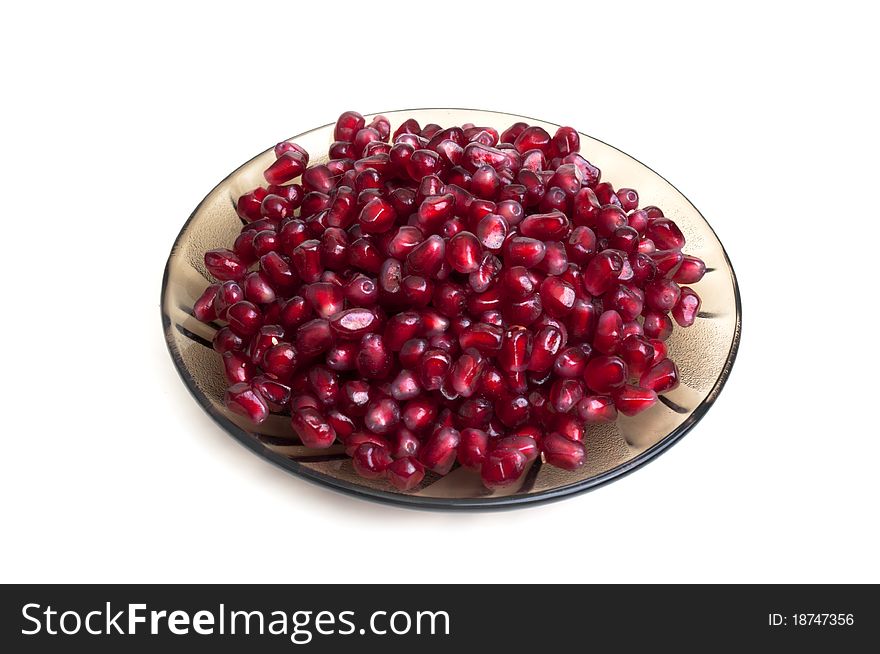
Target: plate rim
x=440 y=503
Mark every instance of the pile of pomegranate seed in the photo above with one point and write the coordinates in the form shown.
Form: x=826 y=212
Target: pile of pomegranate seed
x=442 y=296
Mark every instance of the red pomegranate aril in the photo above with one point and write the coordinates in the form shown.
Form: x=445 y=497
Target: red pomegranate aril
x=237 y=366
x=303 y=400
x=244 y=318
x=405 y=386
x=609 y=219
x=276 y=394
x=313 y=338
x=427 y=257
x=629 y=198
x=203 y=308
x=226 y=340
x=465 y=373
x=517 y=282
x=374 y=358
x=341 y=423
x=325 y=384
x=433 y=367
x=631 y=400
x=371 y=461
x=551 y=226
x=491 y=231
x=562 y=452
x=275 y=208
x=638 y=220
x=570 y=426
x=405 y=473
x=503 y=467
x=665 y=234
x=295 y=312
x=595 y=409
x=657 y=325
x=248 y=205
x=565 y=394
x=463 y=252
x=532 y=138
x=285 y=168
x=422 y=163
x=312 y=428
x=306 y=259
x=687 y=308
x=570 y=362
x=377 y=216
x=341 y=356
x=485 y=338
x=568 y=178
x=439 y=450
x=609 y=331
x=279 y=361
x=258 y=288
x=347 y=125
x=523 y=251
x=521 y=442
x=691 y=270
x=357 y=438
x=602 y=272
x=638 y=353
x=603 y=374
x=509 y=135
x=662 y=294
x=660 y=378
x=411 y=352
x=546 y=345
x=401 y=328
x=473 y=448
x=516 y=349
x=557 y=297
x=382 y=416
x=244 y=400
x=224 y=265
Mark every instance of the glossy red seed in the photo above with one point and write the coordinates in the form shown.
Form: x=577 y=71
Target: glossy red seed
x=532 y=138
x=312 y=428
x=687 y=308
x=661 y=378
x=563 y=453
x=347 y=125
x=313 y=337
x=571 y=361
x=503 y=467
x=603 y=374
x=691 y=270
x=473 y=448
x=602 y=272
x=595 y=409
x=353 y=324
x=609 y=332
x=638 y=353
x=557 y=296
x=665 y=233
x=371 y=460
x=237 y=366
x=244 y=400
x=662 y=294
x=553 y=226
x=224 y=265
x=657 y=325
x=405 y=473
x=631 y=400
x=341 y=356
x=439 y=450
x=244 y=318
x=463 y=252
x=382 y=415
x=405 y=386
x=565 y=394
x=203 y=308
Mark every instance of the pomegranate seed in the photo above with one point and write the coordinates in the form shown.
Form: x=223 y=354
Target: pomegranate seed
x=665 y=234
x=662 y=294
x=686 y=309
x=638 y=354
x=565 y=394
x=609 y=332
x=371 y=460
x=563 y=453
x=382 y=416
x=224 y=265
x=405 y=473
x=657 y=325
x=547 y=343
x=557 y=296
x=662 y=377
x=312 y=428
x=502 y=467
x=405 y=386
x=464 y=253
x=595 y=409
x=551 y=226
x=509 y=135
x=571 y=427
x=532 y=138
x=566 y=141
x=242 y=399
x=691 y=270
x=631 y=400
x=602 y=272
x=629 y=199
x=237 y=366
x=603 y=374
x=439 y=450
x=341 y=356
x=571 y=361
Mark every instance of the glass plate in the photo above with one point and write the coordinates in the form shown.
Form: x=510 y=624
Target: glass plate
x=704 y=352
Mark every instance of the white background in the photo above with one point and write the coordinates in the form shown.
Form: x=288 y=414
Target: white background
x=117 y=119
